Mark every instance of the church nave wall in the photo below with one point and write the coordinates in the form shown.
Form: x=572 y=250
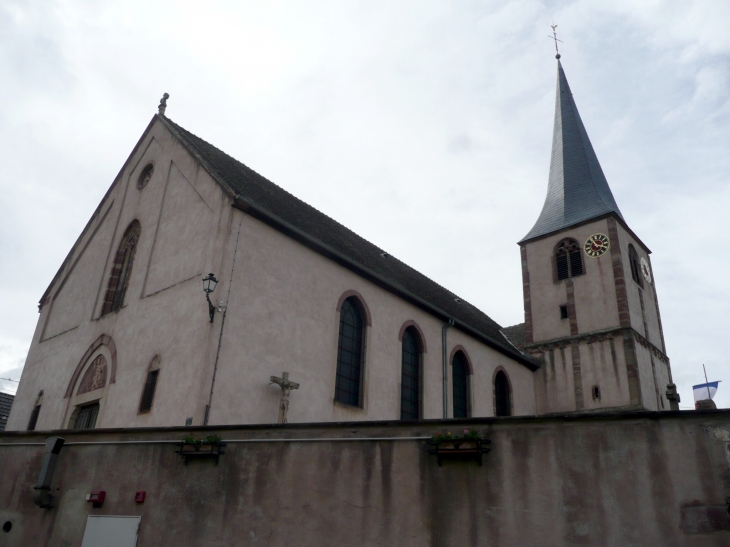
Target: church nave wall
x=285 y=318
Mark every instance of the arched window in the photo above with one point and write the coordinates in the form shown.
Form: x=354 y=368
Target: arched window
x=635 y=268
x=410 y=385
x=568 y=259
x=121 y=270
x=350 y=353
x=460 y=373
x=502 y=399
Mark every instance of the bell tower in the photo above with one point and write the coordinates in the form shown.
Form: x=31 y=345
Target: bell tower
x=591 y=309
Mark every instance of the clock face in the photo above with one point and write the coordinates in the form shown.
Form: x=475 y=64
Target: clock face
x=645 y=269
x=596 y=245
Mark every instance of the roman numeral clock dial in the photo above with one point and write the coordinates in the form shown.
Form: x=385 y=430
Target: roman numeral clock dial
x=596 y=245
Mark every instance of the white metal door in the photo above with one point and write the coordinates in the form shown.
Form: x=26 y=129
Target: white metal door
x=111 y=531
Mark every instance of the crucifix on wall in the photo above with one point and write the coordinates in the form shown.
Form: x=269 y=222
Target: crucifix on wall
x=286 y=386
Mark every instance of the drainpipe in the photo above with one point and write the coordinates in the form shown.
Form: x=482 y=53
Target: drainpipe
x=444 y=348
x=42 y=496
x=223 y=309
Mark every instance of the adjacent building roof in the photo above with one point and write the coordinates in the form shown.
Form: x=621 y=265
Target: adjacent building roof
x=6 y=401
x=327 y=236
x=516 y=335
x=577 y=188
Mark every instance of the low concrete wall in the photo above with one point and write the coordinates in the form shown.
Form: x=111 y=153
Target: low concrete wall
x=594 y=479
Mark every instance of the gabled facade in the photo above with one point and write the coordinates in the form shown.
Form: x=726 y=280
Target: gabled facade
x=591 y=308
x=124 y=337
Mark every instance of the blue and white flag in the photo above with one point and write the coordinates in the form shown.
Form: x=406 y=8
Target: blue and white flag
x=703 y=392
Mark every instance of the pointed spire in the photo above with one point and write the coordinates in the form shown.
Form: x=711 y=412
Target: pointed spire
x=577 y=188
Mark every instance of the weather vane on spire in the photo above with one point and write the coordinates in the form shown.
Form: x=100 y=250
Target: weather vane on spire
x=554 y=37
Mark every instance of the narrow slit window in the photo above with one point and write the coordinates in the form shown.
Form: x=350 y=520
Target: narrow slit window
x=148 y=395
x=564 y=312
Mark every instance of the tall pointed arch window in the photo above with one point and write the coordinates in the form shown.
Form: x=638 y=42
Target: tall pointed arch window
x=568 y=259
x=635 y=267
x=410 y=387
x=460 y=381
x=502 y=395
x=350 y=348
x=122 y=269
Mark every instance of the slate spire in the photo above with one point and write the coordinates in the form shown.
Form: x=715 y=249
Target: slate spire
x=577 y=188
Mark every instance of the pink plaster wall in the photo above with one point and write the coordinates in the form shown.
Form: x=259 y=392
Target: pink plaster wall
x=281 y=315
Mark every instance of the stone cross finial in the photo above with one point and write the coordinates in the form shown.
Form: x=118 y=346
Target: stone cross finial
x=163 y=104
x=286 y=386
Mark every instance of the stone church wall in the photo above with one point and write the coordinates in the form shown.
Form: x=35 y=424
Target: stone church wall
x=620 y=479
x=281 y=314
x=554 y=381
x=642 y=301
x=603 y=366
x=164 y=310
x=595 y=286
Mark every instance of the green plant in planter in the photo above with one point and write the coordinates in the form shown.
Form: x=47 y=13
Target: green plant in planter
x=189 y=439
x=468 y=435
x=210 y=439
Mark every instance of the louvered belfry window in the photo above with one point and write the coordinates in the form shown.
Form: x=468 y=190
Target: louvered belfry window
x=502 y=403
x=635 y=268
x=121 y=270
x=568 y=259
x=410 y=387
x=349 y=353
x=460 y=373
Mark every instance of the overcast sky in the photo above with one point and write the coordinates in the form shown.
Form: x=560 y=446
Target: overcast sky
x=423 y=126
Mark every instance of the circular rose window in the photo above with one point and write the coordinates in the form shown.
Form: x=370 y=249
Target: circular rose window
x=145 y=176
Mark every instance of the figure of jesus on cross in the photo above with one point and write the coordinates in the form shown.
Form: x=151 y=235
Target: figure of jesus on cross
x=286 y=386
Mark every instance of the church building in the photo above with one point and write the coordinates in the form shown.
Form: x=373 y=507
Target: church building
x=128 y=336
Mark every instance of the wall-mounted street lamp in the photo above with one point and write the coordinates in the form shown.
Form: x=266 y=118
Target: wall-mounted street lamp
x=209 y=284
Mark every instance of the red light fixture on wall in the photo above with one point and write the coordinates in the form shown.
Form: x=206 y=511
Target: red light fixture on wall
x=139 y=496
x=96 y=498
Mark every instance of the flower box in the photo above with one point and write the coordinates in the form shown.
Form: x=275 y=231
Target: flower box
x=201 y=450
x=459 y=448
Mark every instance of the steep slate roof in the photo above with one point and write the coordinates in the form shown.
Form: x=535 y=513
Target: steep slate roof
x=577 y=188
x=296 y=217
x=6 y=401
